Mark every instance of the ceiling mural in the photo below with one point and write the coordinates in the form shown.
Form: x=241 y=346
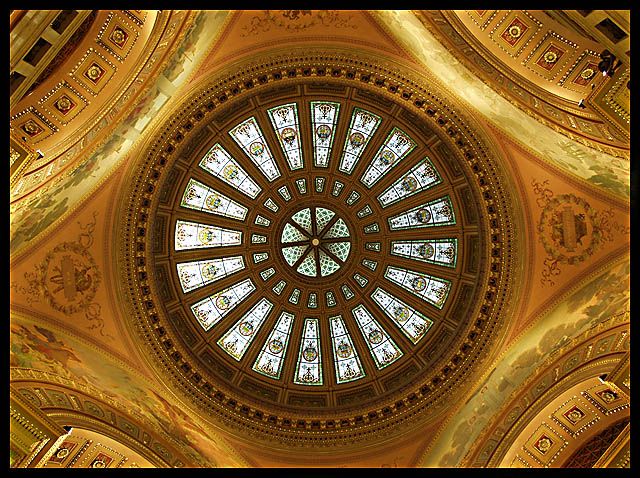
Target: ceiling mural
x=39 y=348
x=318 y=238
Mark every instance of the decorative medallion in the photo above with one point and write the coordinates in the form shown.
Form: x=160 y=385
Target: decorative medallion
x=543 y=444
x=32 y=128
x=68 y=279
x=570 y=229
x=574 y=415
x=63 y=452
x=64 y=104
x=514 y=32
x=608 y=395
x=119 y=37
x=94 y=73
x=550 y=57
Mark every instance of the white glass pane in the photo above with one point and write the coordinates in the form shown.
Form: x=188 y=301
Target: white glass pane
x=431 y=289
x=202 y=198
x=308 y=266
x=292 y=234
x=284 y=120
x=435 y=251
x=396 y=147
x=262 y=221
x=303 y=218
x=238 y=338
x=221 y=165
x=340 y=249
x=209 y=311
x=323 y=216
x=434 y=213
x=260 y=256
x=345 y=358
x=420 y=177
x=327 y=265
x=382 y=348
x=339 y=229
x=250 y=138
x=324 y=117
x=198 y=273
x=193 y=235
x=293 y=253
x=271 y=357
x=309 y=365
x=412 y=323
x=363 y=125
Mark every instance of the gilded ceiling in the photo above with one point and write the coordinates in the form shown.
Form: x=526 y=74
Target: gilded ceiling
x=319 y=238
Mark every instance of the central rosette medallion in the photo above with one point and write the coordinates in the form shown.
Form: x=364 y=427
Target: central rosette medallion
x=315 y=242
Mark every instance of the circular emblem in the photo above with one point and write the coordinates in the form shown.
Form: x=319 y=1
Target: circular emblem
x=544 y=444
x=375 y=336
x=213 y=201
x=310 y=354
x=205 y=235
x=426 y=250
x=70 y=277
x=209 y=271
x=323 y=131
x=94 y=72
x=402 y=314
x=118 y=36
x=275 y=346
x=609 y=396
x=418 y=284
x=63 y=104
x=575 y=415
x=587 y=73
x=98 y=464
x=230 y=171
x=550 y=56
x=223 y=302
x=62 y=453
x=246 y=328
x=409 y=184
x=256 y=148
x=343 y=350
x=423 y=216
x=387 y=157
x=569 y=229
x=288 y=135
x=356 y=139
x=515 y=31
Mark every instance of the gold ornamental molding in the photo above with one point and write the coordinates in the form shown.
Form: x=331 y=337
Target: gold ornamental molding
x=596 y=130
x=593 y=364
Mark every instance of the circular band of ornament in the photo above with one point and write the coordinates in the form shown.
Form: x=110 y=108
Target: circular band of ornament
x=587 y=73
x=425 y=391
x=515 y=31
x=550 y=56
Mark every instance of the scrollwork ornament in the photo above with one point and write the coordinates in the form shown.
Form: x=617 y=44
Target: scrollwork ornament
x=68 y=278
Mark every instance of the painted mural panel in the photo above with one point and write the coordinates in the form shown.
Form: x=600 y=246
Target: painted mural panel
x=601 y=298
x=41 y=348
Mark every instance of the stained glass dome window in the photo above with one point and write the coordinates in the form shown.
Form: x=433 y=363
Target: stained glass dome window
x=316 y=244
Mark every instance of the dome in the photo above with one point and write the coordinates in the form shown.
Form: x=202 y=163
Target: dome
x=317 y=254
